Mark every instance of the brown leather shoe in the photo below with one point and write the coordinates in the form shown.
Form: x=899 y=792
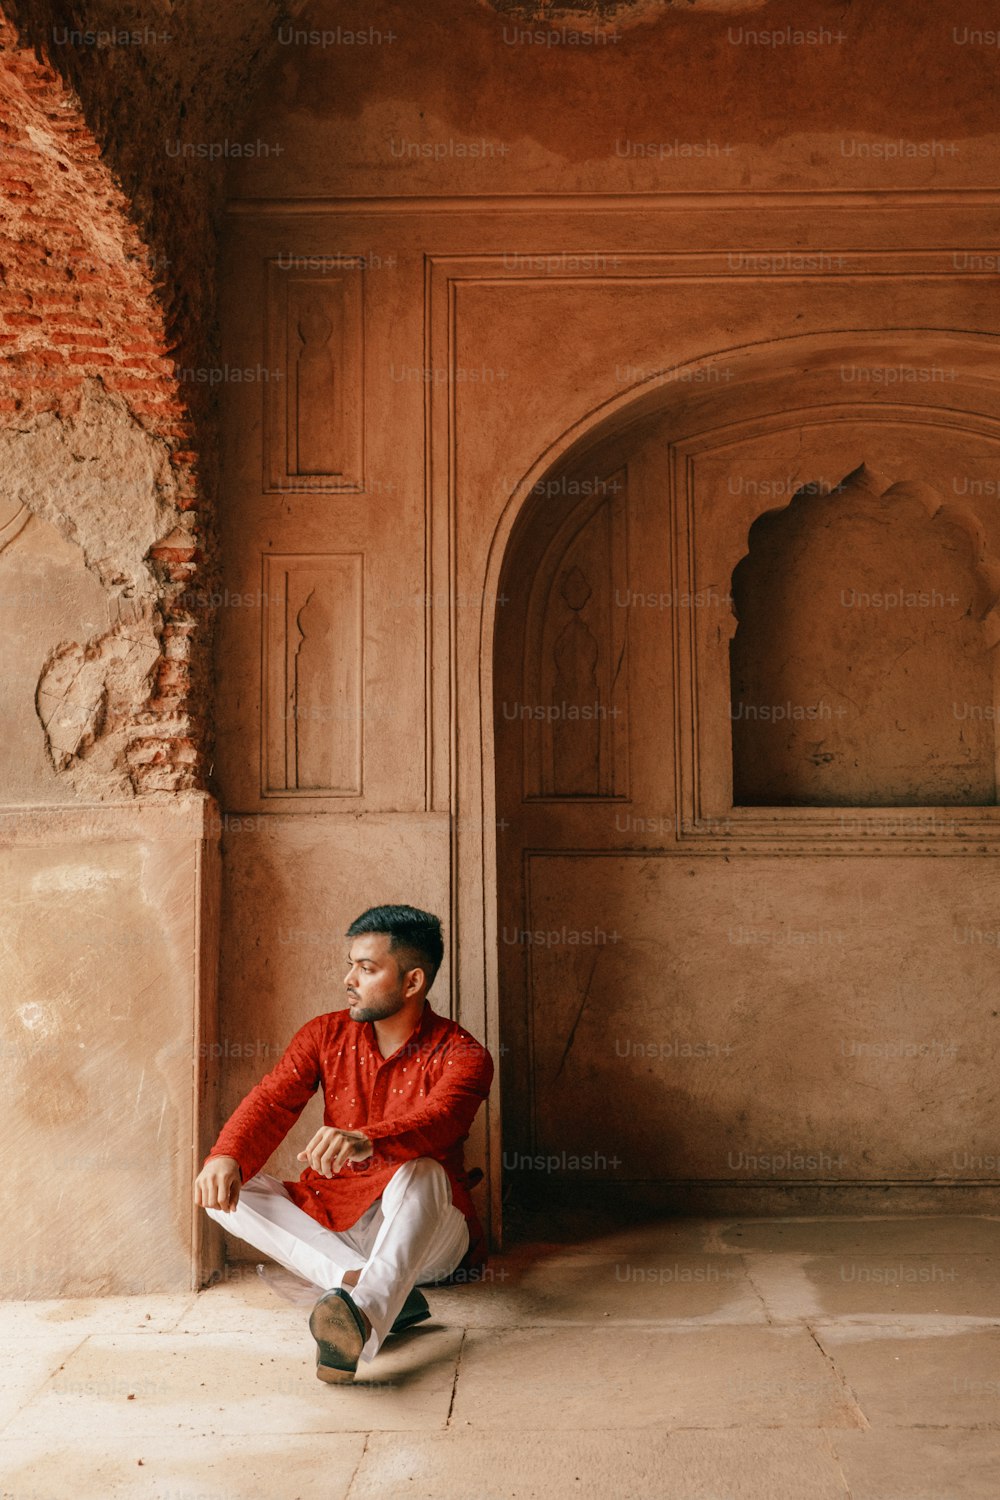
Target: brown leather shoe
x=413 y=1310
x=338 y=1328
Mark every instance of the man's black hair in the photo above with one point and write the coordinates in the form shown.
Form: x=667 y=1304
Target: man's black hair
x=419 y=932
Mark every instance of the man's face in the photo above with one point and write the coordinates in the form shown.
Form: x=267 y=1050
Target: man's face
x=374 y=980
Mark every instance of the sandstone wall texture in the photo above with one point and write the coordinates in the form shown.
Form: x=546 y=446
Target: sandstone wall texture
x=731 y=220
x=657 y=98
x=460 y=249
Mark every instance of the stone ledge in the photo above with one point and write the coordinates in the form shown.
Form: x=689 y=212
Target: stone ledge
x=170 y=816
x=624 y=1201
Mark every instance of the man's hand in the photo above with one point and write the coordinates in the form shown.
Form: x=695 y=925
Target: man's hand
x=218 y=1184
x=330 y=1149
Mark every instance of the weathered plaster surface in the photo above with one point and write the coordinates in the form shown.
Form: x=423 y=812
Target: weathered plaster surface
x=107 y=485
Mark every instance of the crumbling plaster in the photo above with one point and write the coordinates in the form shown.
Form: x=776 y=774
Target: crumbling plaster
x=109 y=341
x=107 y=485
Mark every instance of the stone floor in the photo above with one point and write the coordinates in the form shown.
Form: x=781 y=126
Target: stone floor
x=689 y=1360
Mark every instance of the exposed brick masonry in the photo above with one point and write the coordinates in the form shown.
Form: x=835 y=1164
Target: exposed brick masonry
x=107 y=254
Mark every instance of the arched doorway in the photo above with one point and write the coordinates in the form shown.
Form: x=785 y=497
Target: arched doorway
x=696 y=986
x=575 y=666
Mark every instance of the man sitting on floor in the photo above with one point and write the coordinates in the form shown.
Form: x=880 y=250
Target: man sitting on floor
x=384 y=1202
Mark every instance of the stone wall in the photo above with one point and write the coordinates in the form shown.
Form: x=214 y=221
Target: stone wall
x=108 y=351
x=460 y=246
x=117 y=123
x=669 y=231
x=96 y=453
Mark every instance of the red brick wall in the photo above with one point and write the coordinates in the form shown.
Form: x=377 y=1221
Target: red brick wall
x=79 y=300
x=107 y=271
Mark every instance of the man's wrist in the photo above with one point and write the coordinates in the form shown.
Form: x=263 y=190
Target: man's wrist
x=223 y=1156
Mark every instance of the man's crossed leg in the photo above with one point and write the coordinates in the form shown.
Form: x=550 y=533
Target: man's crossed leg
x=412 y=1234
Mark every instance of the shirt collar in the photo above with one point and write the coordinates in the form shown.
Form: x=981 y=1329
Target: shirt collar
x=420 y=1033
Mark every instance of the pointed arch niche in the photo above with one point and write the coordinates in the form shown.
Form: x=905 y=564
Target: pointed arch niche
x=852 y=693
x=863 y=663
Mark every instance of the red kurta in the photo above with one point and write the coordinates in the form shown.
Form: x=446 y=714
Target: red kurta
x=420 y=1101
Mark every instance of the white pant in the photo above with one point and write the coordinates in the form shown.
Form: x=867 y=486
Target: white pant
x=413 y=1233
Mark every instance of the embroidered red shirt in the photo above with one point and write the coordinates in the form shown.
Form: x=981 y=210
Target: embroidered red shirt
x=419 y=1101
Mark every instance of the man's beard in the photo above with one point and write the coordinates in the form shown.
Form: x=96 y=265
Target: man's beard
x=365 y=1015
x=373 y=1012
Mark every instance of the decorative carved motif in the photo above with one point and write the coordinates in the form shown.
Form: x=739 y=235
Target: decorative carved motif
x=574 y=703
x=312 y=675
x=314 y=391
x=86 y=691
x=861 y=668
x=316 y=395
x=576 y=744
x=13 y=519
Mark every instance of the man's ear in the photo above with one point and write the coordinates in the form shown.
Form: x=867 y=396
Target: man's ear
x=414 y=979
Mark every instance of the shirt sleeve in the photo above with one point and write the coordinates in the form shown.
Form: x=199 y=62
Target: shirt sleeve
x=444 y=1115
x=259 y=1125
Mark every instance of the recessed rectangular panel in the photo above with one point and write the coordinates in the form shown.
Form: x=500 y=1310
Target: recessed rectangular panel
x=312 y=700
x=574 y=699
x=314 y=394
x=672 y=1034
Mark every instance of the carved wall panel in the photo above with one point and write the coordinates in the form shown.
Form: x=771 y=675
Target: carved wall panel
x=314 y=380
x=859 y=658
x=312 y=669
x=575 y=701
